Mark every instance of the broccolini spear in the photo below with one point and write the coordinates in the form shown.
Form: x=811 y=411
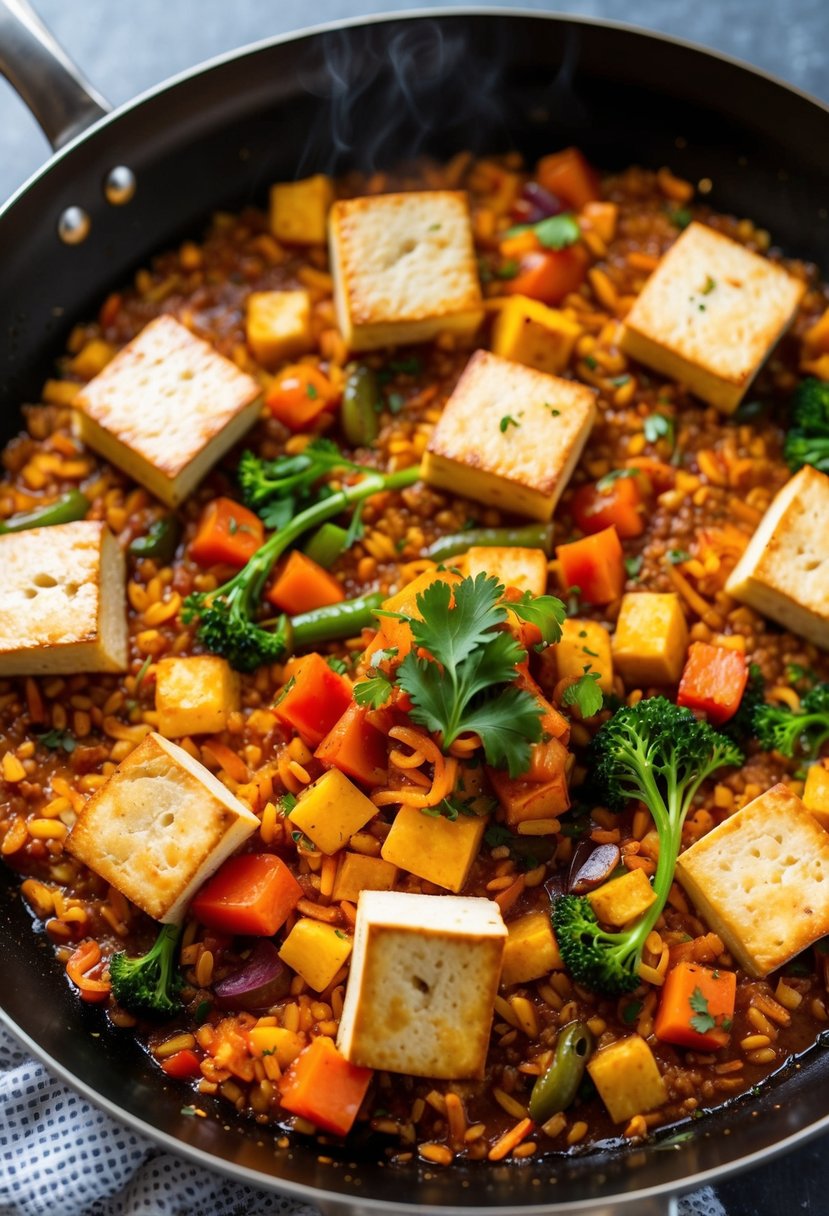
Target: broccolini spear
x=226 y=616
x=789 y=731
x=807 y=440
x=275 y=489
x=658 y=753
x=149 y=983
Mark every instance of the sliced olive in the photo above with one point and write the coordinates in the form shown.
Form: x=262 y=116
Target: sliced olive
x=556 y=1089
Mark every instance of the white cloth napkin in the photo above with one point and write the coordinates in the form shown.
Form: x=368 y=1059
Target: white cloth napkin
x=61 y=1156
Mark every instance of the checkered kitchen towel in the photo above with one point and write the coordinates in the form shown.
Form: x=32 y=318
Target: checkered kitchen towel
x=61 y=1156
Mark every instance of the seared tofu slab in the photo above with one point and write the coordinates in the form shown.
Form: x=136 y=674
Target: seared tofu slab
x=404 y=268
x=784 y=572
x=710 y=314
x=510 y=436
x=62 y=601
x=761 y=880
x=159 y=828
x=423 y=979
x=166 y=408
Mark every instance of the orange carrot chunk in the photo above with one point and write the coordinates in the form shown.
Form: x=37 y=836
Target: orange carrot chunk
x=713 y=681
x=253 y=894
x=697 y=1007
x=229 y=535
x=303 y=585
x=618 y=505
x=569 y=177
x=314 y=699
x=549 y=274
x=595 y=565
x=299 y=394
x=356 y=748
x=324 y=1088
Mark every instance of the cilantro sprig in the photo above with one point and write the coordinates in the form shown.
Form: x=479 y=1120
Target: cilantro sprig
x=702 y=1021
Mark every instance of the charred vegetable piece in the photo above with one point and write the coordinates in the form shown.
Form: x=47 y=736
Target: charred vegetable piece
x=556 y=1089
x=64 y=510
x=360 y=406
x=261 y=982
x=532 y=536
x=149 y=983
x=160 y=542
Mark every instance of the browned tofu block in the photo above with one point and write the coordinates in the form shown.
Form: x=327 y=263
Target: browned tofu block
x=166 y=408
x=62 y=601
x=404 y=268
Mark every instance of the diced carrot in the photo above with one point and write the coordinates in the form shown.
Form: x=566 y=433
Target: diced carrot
x=324 y=1088
x=302 y=584
x=601 y=217
x=568 y=176
x=553 y=724
x=356 y=748
x=550 y=274
x=713 y=681
x=595 y=565
x=314 y=699
x=253 y=894
x=619 y=504
x=395 y=634
x=229 y=534
x=182 y=1065
x=299 y=394
x=697 y=1007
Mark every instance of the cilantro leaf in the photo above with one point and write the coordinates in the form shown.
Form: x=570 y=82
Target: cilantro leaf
x=556 y=232
x=585 y=694
x=507 y=724
x=702 y=1021
x=659 y=426
x=604 y=483
x=58 y=740
x=374 y=691
x=545 y=611
x=451 y=634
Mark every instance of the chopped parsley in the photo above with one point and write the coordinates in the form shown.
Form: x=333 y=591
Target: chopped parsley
x=395 y=402
x=507 y=270
x=585 y=695
x=287 y=803
x=58 y=740
x=605 y=483
x=702 y=1021
x=591 y=362
x=497 y=835
x=554 y=413
x=556 y=232
x=680 y=217
x=709 y=286
x=659 y=426
x=631 y=1012
x=633 y=565
x=675 y=556
x=338 y=665
x=507 y=421
x=311 y=391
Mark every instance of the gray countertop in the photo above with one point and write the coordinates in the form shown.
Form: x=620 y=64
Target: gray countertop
x=124 y=49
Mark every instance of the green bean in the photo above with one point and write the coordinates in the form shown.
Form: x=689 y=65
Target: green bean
x=361 y=403
x=531 y=536
x=161 y=541
x=557 y=1088
x=344 y=620
x=326 y=544
x=64 y=510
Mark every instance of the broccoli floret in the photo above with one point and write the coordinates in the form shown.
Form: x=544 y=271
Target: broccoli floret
x=660 y=754
x=807 y=441
x=789 y=731
x=288 y=477
x=149 y=983
x=740 y=728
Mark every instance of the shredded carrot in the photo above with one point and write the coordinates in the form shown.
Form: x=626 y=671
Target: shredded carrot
x=700 y=606
x=81 y=961
x=34 y=701
x=445 y=771
x=226 y=759
x=464 y=746
x=744 y=510
x=456 y=1119
x=510 y=1140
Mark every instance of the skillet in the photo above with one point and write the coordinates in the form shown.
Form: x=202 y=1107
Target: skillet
x=368 y=94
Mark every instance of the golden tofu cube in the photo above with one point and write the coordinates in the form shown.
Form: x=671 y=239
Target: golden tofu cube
x=529 y=332
x=159 y=827
x=404 y=268
x=276 y=1041
x=195 y=695
x=434 y=848
x=278 y=325
x=166 y=408
x=760 y=880
x=359 y=873
x=531 y=950
x=530 y=800
x=315 y=951
x=422 y=984
x=510 y=436
x=706 y=290
x=299 y=210
x=585 y=646
x=525 y=569
x=628 y=1079
x=783 y=572
x=62 y=601
x=623 y=899
x=651 y=639
x=331 y=810
x=816 y=792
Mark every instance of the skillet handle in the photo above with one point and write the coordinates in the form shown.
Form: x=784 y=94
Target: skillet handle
x=38 y=68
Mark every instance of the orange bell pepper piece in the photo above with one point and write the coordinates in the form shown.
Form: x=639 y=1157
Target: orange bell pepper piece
x=324 y=1088
x=620 y=505
x=356 y=748
x=595 y=565
x=550 y=274
x=313 y=700
x=253 y=895
x=182 y=1065
x=568 y=176
x=713 y=681
x=229 y=535
x=299 y=394
x=697 y=1007
x=302 y=584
